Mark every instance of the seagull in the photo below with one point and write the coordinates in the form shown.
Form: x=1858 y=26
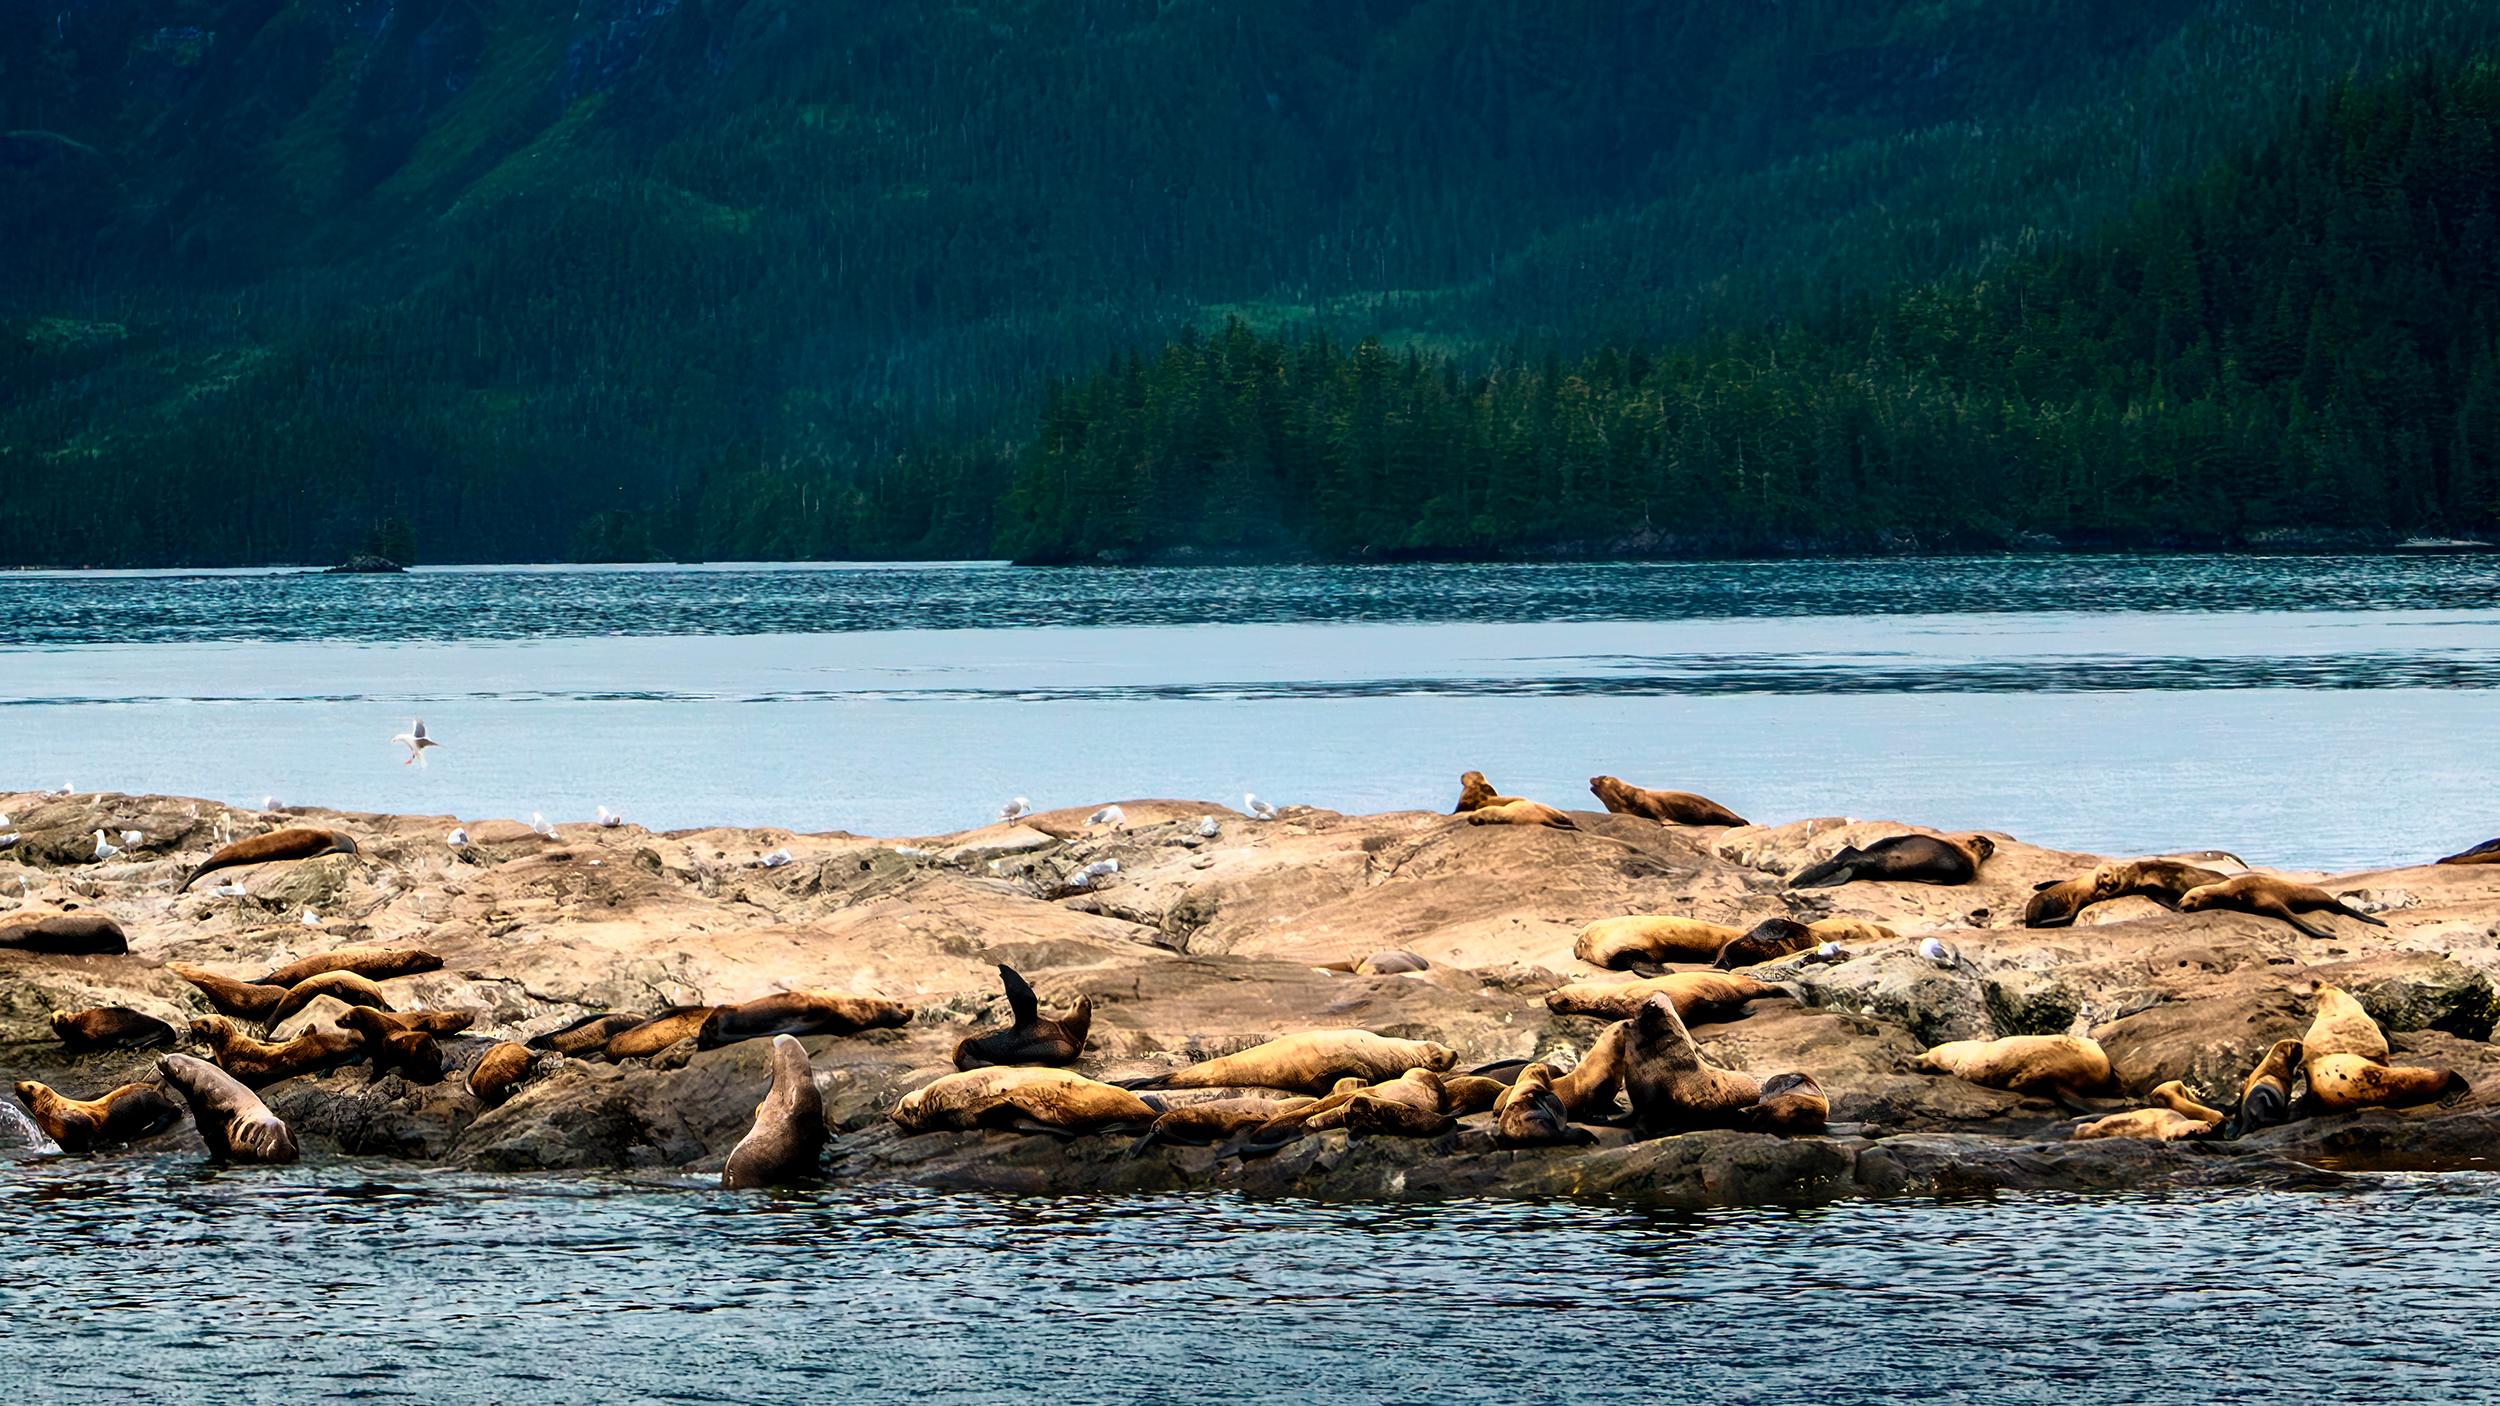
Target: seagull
x=1112 y=816
x=1259 y=809
x=1099 y=869
x=539 y=825
x=773 y=860
x=232 y=890
x=1016 y=809
x=268 y=803
x=8 y=839
x=415 y=740
x=911 y=851
x=1828 y=952
x=608 y=820
x=104 y=850
x=311 y=918
x=458 y=838
x=67 y=789
x=132 y=839
x=1207 y=828
x=1940 y=952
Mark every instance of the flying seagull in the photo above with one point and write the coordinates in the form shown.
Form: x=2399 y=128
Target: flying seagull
x=415 y=740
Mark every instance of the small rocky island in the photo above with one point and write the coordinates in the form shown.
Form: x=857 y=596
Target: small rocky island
x=365 y=564
x=1197 y=932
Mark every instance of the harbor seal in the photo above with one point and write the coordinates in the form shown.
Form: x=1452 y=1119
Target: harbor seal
x=2048 y=1065
x=2059 y=902
x=109 y=1028
x=2268 y=896
x=2266 y=1095
x=2175 y=1115
x=1907 y=859
x=788 y=1136
x=258 y=1064
x=1700 y=997
x=801 y=1013
x=242 y=1000
x=2340 y=1083
x=347 y=987
x=1521 y=813
x=63 y=934
x=1028 y=1038
x=1475 y=793
x=1308 y=1063
x=371 y=963
x=80 y=1126
x=232 y=1120
x=1650 y=940
x=1023 y=1099
x=648 y=1037
x=1531 y=1114
x=1666 y=807
x=293 y=842
x=1670 y=1086
x=500 y=1071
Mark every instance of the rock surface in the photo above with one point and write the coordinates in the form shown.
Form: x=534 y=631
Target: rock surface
x=1200 y=946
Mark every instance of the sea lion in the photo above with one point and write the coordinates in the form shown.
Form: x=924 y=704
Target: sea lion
x=788 y=1136
x=66 y=934
x=1592 y=1085
x=1647 y=940
x=2050 y=1065
x=1475 y=793
x=2488 y=852
x=127 y=1114
x=1308 y=1063
x=1463 y=1094
x=2269 y=896
x=1394 y=961
x=500 y=1071
x=410 y=1054
x=293 y=842
x=2266 y=1095
x=2058 y=903
x=232 y=1120
x=1308 y=1114
x=1666 y=807
x=425 y=1022
x=2341 y=1026
x=1028 y=1039
x=259 y=1064
x=2176 y=1114
x=109 y=1028
x=805 y=1013
x=1791 y=1105
x=1021 y=1098
x=1671 y=1087
x=1901 y=859
x=345 y=986
x=648 y=1037
x=1207 y=1121
x=2339 y=1083
x=242 y=1000
x=1774 y=938
x=588 y=1035
x=1414 y=1104
x=1521 y=813
x=372 y=963
x=1700 y=997
x=1531 y=1114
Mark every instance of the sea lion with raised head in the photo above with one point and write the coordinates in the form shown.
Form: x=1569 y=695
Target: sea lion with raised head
x=500 y=1071
x=1308 y=1063
x=788 y=1136
x=259 y=1064
x=293 y=842
x=2047 y=1065
x=109 y=1028
x=1475 y=793
x=80 y=1126
x=1791 y=1105
x=2059 y=902
x=1592 y=1086
x=802 y=1013
x=63 y=934
x=411 y=1054
x=588 y=1035
x=1414 y=1104
x=2269 y=896
x=1666 y=807
x=1521 y=813
x=371 y=963
x=1021 y=1098
x=1670 y=1086
x=2266 y=1095
x=2341 y=1026
x=648 y=1037
x=1028 y=1038
x=2340 y=1083
x=243 y=1000
x=1700 y=997
x=2175 y=1115
x=1901 y=859
x=344 y=986
x=1531 y=1114
x=1644 y=940
x=232 y=1120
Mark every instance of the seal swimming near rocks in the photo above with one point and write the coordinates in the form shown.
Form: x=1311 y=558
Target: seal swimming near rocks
x=802 y=1013
x=500 y=1071
x=1475 y=793
x=2057 y=1066
x=411 y=1054
x=1666 y=807
x=1700 y=997
x=1028 y=1039
x=109 y=1028
x=371 y=963
x=243 y=1000
x=1531 y=1114
x=345 y=986
x=2059 y=902
x=2269 y=896
x=259 y=1064
x=80 y=1126
x=1650 y=940
x=1021 y=1098
x=788 y=1136
x=1521 y=813
x=63 y=934
x=293 y=842
x=1670 y=1086
x=2266 y=1095
x=2175 y=1115
x=1307 y=1063
x=1911 y=859
x=232 y=1120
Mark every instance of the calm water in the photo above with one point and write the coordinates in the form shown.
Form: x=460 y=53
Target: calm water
x=2306 y=711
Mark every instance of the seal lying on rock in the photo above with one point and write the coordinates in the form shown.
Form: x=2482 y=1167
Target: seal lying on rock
x=410 y=1054
x=2058 y=903
x=1700 y=997
x=1911 y=859
x=109 y=1028
x=258 y=1064
x=2175 y=1115
x=800 y=1013
x=645 y=1038
x=2340 y=1083
x=1414 y=1104
x=371 y=963
x=293 y=842
x=127 y=1114
x=1021 y=1099
x=1212 y=1120
x=2268 y=896
x=68 y=934
x=2050 y=1065
x=1028 y=1039
x=590 y=1034
x=243 y=1000
x=503 y=1069
x=1650 y=940
x=1791 y=1104
x=1531 y=1114
x=232 y=1120
x=788 y=1136
x=2266 y=1095
x=2341 y=1026
x=1393 y=961
x=2488 y=852
x=1521 y=813
x=1307 y=1063
x=347 y=987
x=1666 y=807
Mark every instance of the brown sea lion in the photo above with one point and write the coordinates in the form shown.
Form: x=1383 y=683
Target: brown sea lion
x=788 y=1137
x=2266 y=1095
x=1475 y=793
x=2058 y=903
x=2048 y=1065
x=127 y=1114
x=1531 y=1114
x=232 y=1120
x=67 y=934
x=2488 y=852
x=648 y=1037
x=1308 y=1063
x=502 y=1069
x=410 y=1054
x=1670 y=1086
x=1775 y=938
x=1028 y=1039
x=259 y=1064
x=1791 y=1105
x=1665 y=807
x=1021 y=1098
x=242 y=1000
x=1212 y=1120
x=347 y=987
x=1592 y=1086
x=1414 y=1104
x=2341 y=1026
x=372 y=963
x=1648 y=940
x=1700 y=997
x=426 y=1022
x=1463 y=1094
x=2340 y=1083
x=109 y=1028
x=2175 y=1115
x=1394 y=961
x=805 y=1013
x=2269 y=896
x=1521 y=813
x=293 y=842
x=590 y=1034
x=1901 y=859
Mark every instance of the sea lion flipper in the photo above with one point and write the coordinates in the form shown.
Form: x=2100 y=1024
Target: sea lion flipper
x=1021 y=1002
x=1500 y=1067
x=2351 y=912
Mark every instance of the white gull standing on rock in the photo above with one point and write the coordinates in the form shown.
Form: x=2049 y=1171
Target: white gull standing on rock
x=1259 y=809
x=458 y=838
x=104 y=849
x=1015 y=810
x=608 y=820
x=1112 y=816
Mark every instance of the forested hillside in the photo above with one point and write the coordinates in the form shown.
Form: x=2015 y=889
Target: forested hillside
x=780 y=278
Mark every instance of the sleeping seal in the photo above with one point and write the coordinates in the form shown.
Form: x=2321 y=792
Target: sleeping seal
x=1911 y=859
x=1521 y=813
x=243 y=1000
x=1307 y=1063
x=67 y=934
x=2058 y=903
x=1021 y=1099
x=2175 y=1115
x=293 y=842
x=2266 y=1095
x=1650 y=940
x=503 y=1069
x=2049 y=1065
x=789 y=1131
x=109 y=1028
x=800 y=1013
x=2268 y=896
x=258 y=1064
x=371 y=963
x=1531 y=1114
x=1028 y=1038
x=232 y=1120
x=1700 y=997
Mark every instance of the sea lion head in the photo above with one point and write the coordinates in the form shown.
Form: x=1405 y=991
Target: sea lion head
x=1980 y=846
x=1474 y=790
x=29 y=1093
x=345 y=844
x=61 y=1022
x=1438 y=1056
x=2056 y=903
x=1792 y=1082
x=2197 y=900
x=211 y=1028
